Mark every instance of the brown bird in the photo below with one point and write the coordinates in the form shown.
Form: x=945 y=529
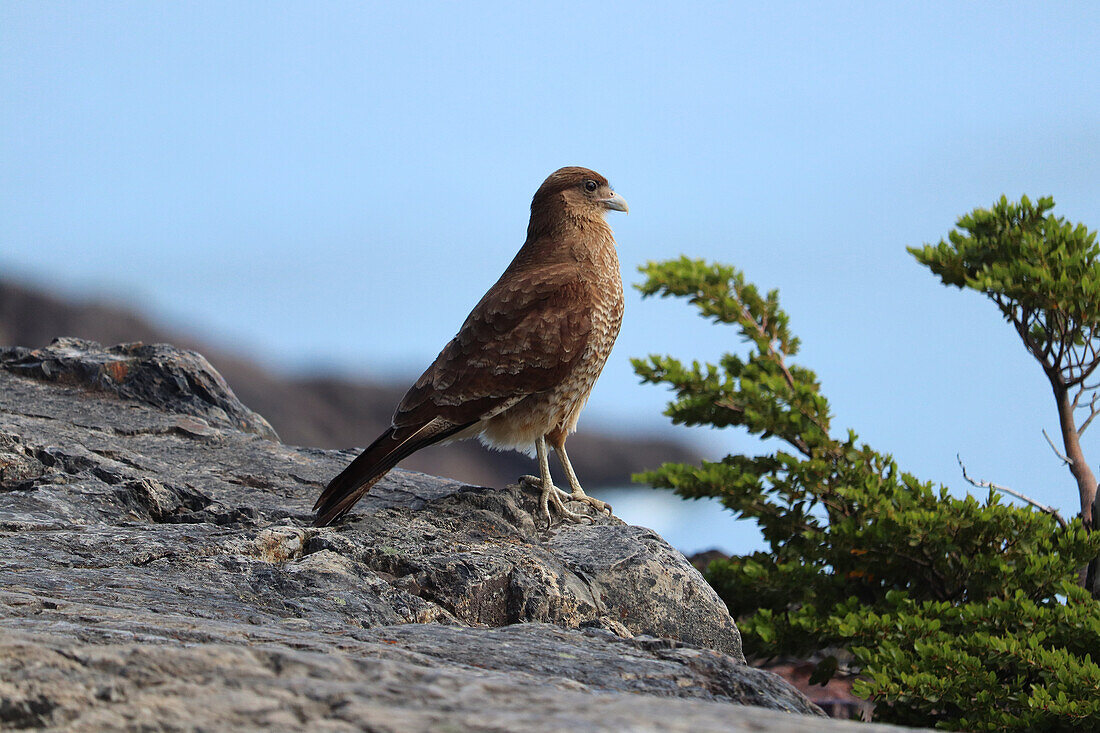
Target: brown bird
x=521 y=367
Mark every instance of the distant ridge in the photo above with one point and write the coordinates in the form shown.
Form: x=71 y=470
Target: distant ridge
x=321 y=411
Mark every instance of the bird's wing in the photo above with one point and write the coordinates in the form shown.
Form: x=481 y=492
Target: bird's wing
x=524 y=337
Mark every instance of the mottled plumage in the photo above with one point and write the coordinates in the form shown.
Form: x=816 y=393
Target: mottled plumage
x=521 y=367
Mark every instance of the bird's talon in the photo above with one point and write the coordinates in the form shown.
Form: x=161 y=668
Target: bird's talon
x=551 y=497
x=598 y=505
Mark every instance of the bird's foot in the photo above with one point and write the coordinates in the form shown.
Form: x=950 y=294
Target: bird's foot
x=579 y=495
x=552 y=496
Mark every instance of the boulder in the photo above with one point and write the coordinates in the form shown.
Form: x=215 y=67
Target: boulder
x=158 y=570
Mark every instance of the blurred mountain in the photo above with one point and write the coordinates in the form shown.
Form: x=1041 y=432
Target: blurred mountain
x=321 y=411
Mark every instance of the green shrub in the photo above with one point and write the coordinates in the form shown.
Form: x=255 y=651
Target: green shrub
x=958 y=612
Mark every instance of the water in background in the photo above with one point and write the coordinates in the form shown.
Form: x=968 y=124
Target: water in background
x=689 y=525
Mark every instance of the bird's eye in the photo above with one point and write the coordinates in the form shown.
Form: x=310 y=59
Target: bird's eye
x=589 y=186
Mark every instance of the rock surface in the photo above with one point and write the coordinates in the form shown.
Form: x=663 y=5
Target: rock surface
x=157 y=571
x=325 y=410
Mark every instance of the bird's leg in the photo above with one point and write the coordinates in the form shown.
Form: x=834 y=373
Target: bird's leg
x=558 y=440
x=550 y=494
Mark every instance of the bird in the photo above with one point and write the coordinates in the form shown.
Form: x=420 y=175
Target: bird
x=521 y=367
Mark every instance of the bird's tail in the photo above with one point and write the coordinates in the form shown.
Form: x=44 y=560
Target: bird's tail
x=392 y=446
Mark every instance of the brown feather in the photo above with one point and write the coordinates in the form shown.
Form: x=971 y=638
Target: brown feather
x=364 y=472
x=525 y=359
x=522 y=338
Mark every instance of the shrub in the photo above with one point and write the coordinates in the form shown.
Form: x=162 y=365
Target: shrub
x=958 y=612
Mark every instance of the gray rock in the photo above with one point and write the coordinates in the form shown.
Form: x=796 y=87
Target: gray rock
x=157 y=571
x=156 y=374
x=323 y=409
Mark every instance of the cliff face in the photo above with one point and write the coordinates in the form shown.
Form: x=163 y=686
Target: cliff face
x=326 y=412
x=157 y=571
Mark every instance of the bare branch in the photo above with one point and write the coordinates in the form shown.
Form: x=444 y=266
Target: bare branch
x=1089 y=346
x=1061 y=457
x=1022 y=324
x=1088 y=370
x=1053 y=320
x=1083 y=361
x=1060 y=325
x=1092 y=413
x=1081 y=391
x=997 y=487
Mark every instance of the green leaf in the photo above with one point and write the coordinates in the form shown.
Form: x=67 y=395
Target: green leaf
x=957 y=612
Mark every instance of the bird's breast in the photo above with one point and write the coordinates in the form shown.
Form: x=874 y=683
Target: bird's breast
x=606 y=317
x=559 y=408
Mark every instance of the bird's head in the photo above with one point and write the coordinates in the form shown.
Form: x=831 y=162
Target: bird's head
x=578 y=193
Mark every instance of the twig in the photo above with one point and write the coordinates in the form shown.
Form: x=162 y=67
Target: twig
x=1064 y=459
x=997 y=487
x=760 y=328
x=1092 y=413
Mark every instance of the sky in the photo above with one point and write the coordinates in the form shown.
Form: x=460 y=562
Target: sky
x=333 y=185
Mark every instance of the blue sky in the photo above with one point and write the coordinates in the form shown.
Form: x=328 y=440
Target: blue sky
x=336 y=184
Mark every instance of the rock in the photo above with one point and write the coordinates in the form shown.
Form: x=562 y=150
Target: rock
x=325 y=410
x=156 y=374
x=158 y=570
x=418 y=677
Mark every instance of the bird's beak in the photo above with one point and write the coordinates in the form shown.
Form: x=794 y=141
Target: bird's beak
x=615 y=202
